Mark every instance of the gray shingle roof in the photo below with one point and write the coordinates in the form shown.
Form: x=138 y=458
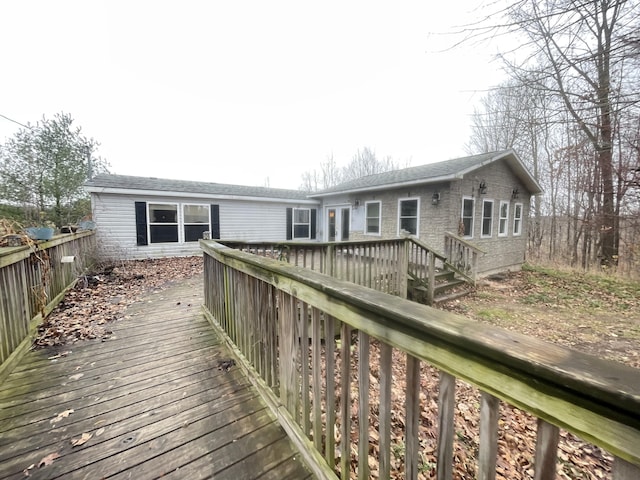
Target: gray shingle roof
x=433 y=172
x=125 y=182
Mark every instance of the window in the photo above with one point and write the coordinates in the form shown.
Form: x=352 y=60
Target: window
x=301 y=223
x=504 y=219
x=372 y=214
x=196 y=221
x=408 y=215
x=467 y=217
x=517 y=219
x=487 y=218
x=163 y=222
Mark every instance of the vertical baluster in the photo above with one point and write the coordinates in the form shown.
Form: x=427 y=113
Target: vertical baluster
x=546 y=450
x=316 y=332
x=384 y=426
x=623 y=470
x=304 y=345
x=345 y=403
x=487 y=455
x=413 y=418
x=446 y=399
x=363 y=406
x=330 y=342
x=288 y=346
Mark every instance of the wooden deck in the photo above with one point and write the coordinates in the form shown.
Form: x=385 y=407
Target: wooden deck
x=153 y=400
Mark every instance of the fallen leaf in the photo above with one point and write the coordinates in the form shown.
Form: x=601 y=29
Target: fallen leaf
x=48 y=460
x=99 y=432
x=60 y=416
x=76 y=442
x=76 y=376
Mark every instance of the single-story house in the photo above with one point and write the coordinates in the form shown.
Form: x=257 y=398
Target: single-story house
x=138 y=217
x=484 y=199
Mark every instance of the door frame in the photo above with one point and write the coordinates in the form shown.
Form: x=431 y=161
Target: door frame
x=338 y=220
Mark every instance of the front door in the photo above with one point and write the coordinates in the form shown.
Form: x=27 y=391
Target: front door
x=338 y=223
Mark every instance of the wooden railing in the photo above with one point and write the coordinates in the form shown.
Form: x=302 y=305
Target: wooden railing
x=325 y=353
x=384 y=265
x=33 y=279
x=462 y=255
x=377 y=264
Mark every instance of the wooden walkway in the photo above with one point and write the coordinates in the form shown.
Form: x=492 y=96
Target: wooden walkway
x=151 y=402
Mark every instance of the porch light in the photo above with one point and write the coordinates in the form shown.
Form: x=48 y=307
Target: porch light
x=435 y=199
x=482 y=188
x=356 y=203
x=515 y=193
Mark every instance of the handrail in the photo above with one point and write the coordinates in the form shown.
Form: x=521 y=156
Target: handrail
x=462 y=256
x=595 y=399
x=465 y=243
x=33 y=280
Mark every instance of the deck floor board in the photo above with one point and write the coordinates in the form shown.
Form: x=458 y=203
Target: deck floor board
x=151 y=396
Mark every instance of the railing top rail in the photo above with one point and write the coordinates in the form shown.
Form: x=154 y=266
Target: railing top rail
x=297 y=243
x=421 y=244
x=597 y=399
x=11 y=255
x=464 y=242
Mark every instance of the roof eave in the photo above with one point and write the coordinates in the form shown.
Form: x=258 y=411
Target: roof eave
x=174 y=194
x=516 y=164
x=387 y=186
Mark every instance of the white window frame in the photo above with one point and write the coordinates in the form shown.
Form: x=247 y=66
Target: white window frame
x=486 y=201
x=294 y=224
x=184 y=223
x=503 y=220
x=472 y=217
x=366 y=218
x=150 y=223
x=417 y=217
x=517 y=219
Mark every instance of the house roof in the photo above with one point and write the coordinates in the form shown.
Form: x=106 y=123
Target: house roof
x=124 y=184
x=434 y=173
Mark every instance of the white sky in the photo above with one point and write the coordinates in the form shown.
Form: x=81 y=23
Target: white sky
x=244 y=91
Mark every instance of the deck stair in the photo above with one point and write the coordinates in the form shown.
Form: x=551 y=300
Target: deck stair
x=449 y=282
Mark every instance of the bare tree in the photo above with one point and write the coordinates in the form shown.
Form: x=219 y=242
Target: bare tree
x=363 y=163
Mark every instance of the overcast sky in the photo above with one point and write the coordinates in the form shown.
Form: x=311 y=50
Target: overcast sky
x=245 y=92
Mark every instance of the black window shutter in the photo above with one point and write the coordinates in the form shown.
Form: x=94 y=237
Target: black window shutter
x=141 y=223
x=215 y=222
x=289 y=223
x=313 y=223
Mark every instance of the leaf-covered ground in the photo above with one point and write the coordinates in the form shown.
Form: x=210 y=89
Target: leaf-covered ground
x=598 y=315
x=103 y=296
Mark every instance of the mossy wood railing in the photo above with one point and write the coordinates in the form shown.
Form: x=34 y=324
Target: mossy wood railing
x=33 y=279
x=293 y=328
x=384 y=265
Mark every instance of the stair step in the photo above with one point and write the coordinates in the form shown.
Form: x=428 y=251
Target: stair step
x=442 y=287
x=451 y=296
x=445 y=275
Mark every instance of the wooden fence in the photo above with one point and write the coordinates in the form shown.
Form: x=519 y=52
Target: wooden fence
x=33 y=279
x=311 y=341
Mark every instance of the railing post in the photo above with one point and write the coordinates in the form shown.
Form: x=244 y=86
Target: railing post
x=432 y=278
x=403 y=268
